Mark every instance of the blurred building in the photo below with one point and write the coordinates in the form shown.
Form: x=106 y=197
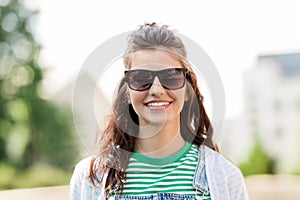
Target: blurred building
x=272 y=107
x=88 y=113
x=271 y=113
x=236 y=141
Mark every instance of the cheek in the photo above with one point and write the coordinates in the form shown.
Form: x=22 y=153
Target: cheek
x=180 y=96
x=136 y=98
x=182 y=99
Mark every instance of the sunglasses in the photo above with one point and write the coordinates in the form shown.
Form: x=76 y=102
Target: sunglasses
x=141 y=79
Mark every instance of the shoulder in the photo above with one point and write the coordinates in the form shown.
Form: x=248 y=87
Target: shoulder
x=222 y=170
x=80 y=183
x=82 y=168
x=80 y=174
x=218 y=161
x=224 y=177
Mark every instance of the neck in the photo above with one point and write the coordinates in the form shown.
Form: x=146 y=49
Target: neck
x=162 y=140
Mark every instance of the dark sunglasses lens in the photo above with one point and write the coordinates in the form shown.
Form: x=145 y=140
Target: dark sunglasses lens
x=172 y=78
x=140 y=80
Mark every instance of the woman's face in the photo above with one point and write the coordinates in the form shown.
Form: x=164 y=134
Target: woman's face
x=156 y=105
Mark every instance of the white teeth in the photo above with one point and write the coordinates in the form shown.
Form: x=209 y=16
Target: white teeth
x=154 y=104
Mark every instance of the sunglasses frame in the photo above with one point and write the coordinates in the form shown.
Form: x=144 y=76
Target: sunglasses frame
x=155 y=74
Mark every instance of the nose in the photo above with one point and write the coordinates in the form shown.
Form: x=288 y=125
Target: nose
x=156 y=88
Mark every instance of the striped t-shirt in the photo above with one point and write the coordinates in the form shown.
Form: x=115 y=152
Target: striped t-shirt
x=171 y=174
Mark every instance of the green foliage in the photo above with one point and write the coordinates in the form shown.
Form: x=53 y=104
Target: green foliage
x=259 y=162
x=53 y=139
x=32 y=130
x=38 y=175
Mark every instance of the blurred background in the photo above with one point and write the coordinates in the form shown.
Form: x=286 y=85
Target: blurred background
x=37 y=140
x=255 y=46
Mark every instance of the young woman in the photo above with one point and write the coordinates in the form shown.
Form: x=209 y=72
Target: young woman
x=157 y=143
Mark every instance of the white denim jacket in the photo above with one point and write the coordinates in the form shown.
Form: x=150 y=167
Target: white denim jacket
x=213 y=173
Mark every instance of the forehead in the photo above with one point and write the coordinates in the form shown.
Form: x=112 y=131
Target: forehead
x=154 y=59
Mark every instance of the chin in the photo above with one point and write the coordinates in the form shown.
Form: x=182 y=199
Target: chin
x=154 y=120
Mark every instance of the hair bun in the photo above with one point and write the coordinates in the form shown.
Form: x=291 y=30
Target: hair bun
x=152 y=25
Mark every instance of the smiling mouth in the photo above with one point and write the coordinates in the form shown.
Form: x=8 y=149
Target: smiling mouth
x=157 y=104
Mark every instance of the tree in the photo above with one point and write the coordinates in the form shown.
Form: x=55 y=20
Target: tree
x=259 y=162
x=32 y=129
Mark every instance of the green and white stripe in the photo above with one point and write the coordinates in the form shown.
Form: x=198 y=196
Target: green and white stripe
x=172 y=174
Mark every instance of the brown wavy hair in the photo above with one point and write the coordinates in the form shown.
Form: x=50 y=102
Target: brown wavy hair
x=117 y=141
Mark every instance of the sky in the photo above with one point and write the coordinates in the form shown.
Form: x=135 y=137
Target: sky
x=233 y=33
